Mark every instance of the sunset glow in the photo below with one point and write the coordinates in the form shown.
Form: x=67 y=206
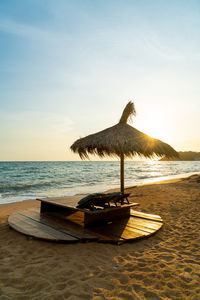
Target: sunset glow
x=68 y=70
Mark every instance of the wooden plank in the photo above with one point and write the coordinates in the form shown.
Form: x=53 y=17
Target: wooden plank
x=129 y=228
x=146 y=216
x=75 y=217
x=59 y=224
x=48 y=207
x=142 y=224
x=34 y=228
x=67 y=200
x=130 y=234
x=145 y=223
x=47 y=229
x=118 y=232
x=27 y=229
x=139 y=230
x=142 y=228
x=137 y=226
x=106 y=235
x=75 y=222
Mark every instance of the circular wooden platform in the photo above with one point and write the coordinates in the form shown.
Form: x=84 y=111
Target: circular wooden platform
x=71 y=230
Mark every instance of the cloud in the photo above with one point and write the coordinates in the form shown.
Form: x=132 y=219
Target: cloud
x=28 y=31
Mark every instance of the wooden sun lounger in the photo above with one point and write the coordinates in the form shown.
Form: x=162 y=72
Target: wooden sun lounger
x=64 y=207
x=93 y=201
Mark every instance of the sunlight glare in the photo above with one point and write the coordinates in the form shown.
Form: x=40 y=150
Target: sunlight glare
x=155 y=128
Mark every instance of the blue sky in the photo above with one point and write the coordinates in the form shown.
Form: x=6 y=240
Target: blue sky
x=68 y=68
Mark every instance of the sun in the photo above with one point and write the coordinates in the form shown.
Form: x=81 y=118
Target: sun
x=155 y=128
x=156 y=131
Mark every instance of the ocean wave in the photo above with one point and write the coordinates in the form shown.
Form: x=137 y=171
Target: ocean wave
x=20 y=186
x=143 y=177
x=19 y=181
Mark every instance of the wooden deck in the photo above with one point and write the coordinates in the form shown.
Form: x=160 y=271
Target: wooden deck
x=67 y=224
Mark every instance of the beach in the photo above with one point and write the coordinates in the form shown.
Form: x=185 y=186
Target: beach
x=163 y=266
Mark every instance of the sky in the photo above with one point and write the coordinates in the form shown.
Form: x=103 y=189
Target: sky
x=69 y=67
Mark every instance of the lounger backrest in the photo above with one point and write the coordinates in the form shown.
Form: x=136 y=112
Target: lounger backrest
x=88 y=200
x=100 y=199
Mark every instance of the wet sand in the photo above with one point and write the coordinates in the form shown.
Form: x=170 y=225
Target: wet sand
x=163 y=266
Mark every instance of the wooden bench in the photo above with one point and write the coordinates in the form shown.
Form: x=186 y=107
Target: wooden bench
x=65 y=206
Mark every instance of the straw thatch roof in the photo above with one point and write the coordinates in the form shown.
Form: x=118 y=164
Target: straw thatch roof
x=122 y=139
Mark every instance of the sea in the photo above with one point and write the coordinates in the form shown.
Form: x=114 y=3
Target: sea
x=29 y=180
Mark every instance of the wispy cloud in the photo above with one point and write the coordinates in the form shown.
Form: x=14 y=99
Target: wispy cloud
x=31 y=32
x=154 y=44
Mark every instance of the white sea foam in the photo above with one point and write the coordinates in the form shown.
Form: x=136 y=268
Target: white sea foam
x=29 y=180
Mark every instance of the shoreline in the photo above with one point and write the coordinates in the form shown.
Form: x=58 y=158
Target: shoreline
x=147 y=181
x=163 y=266
x=35 y=203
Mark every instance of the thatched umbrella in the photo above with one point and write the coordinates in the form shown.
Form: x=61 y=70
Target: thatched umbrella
x=123 y=141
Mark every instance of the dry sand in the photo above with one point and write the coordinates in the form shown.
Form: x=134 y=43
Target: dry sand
x=164 y=266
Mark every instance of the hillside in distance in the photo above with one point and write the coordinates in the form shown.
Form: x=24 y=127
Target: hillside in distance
x=184 y=156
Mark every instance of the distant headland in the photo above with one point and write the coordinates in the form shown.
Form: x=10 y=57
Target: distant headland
x=184 y=156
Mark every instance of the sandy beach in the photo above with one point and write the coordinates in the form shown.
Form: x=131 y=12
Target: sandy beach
x=163 y=266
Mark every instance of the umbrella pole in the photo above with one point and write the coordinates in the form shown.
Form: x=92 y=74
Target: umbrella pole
x=122 y=172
